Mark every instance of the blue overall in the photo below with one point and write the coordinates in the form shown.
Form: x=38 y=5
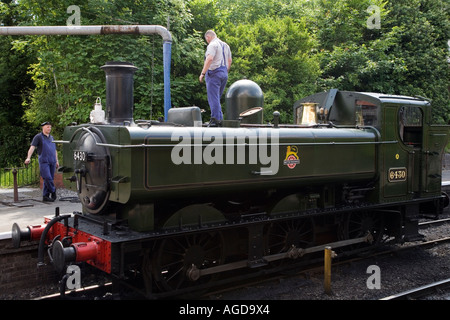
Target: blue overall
x=216 y=81
x=47 y=161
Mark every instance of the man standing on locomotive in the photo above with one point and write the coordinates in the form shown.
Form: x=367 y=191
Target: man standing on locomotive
x=48 y=160
x=215 y=70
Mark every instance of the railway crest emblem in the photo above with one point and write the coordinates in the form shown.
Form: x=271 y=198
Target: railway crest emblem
x=292 y=158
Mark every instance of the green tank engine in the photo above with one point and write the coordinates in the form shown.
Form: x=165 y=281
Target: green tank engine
x=345 y=149
x=171 y=207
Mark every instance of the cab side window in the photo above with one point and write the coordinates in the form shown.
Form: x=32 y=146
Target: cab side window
x=410 y=125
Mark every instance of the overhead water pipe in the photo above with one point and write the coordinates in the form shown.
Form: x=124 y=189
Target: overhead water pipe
x=107 y=29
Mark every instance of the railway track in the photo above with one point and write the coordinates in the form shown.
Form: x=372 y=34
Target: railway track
x=432 y=223
x=92 y=292
x=317 y=267
x=441 y=288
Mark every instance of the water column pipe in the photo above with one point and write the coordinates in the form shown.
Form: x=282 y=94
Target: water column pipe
x=167 y=53
x=107 y=29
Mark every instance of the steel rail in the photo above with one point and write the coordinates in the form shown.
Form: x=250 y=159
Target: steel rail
x=420 y=291
x=427 y=224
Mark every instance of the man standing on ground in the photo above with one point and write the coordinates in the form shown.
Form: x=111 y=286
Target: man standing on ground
x=48 y=160
x=215 y=70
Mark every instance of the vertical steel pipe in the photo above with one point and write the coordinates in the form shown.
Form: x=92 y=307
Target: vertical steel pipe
x=167 y=52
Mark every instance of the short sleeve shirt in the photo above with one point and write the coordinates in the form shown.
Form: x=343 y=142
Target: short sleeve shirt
x=45 y=147
x=220 y=51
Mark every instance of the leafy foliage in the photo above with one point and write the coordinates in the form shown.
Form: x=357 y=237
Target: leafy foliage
x=291 y=48
x=276 y=54
x=68 y=75
x=15 y=84
x=407 y=55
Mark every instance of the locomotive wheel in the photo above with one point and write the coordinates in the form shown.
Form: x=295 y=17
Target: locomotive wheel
x=357 y=224
x=176 y=255
x=285 y=234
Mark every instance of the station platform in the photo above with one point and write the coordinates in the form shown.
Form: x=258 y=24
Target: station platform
x=31 y=210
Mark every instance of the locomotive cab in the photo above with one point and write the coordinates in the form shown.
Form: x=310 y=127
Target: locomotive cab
x=410 y=150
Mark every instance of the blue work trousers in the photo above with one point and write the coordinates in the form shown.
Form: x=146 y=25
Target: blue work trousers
x=48 y=175
x=216 y=81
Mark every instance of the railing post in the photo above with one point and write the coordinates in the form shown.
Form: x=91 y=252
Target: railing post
x=16 y=192
x=328 y=255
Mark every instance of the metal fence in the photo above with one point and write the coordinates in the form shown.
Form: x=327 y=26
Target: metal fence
x=24 y=176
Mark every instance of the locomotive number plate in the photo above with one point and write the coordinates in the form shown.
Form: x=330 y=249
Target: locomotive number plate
x=80 y=155
x=397 y=174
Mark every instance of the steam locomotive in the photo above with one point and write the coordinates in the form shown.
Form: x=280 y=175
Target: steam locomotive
x=175 y=205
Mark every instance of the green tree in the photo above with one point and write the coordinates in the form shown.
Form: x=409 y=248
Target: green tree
x=291 y=48
x=276 y=53
x=207 y=15
x=14 y=85
x=424 y=29
x=270 y=44
x=406 y=55
x=67 y=74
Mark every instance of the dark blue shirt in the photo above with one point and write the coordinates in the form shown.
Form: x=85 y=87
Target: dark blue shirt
x=46 y=149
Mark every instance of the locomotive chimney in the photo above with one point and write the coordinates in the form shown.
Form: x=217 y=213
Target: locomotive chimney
x=119 y=91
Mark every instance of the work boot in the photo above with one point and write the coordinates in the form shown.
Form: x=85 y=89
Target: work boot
x=53 y=196
x=46 y=198
x=214 y=123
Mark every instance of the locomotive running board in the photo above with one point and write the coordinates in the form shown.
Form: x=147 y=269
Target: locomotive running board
x=194 y=273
